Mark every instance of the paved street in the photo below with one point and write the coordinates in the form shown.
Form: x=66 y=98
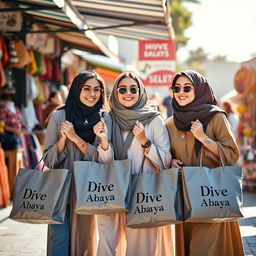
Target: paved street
x=248 y=224
x=26 y=239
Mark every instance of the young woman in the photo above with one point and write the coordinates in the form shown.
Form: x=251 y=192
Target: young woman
x=73 y=133
x=197 y=124
x=141 y=129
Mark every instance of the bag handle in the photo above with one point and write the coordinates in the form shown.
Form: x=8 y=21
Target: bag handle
x=221 y=158
x=44 y=164
x=158 y=153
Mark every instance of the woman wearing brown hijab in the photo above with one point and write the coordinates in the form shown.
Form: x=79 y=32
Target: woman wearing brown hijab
x=197 y=123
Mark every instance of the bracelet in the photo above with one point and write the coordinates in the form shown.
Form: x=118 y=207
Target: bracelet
x=208 y=142
x=147 y=144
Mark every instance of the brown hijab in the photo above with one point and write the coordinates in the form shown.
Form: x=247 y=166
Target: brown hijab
x=203 y=107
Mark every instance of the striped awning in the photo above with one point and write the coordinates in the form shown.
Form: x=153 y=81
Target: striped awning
x=62 y=20
x=144 y=19
x=80 y=23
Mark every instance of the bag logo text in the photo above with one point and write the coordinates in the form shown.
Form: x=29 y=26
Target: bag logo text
x=98 y=187
x=215 y=193
x=146 y=198
x=33 y=195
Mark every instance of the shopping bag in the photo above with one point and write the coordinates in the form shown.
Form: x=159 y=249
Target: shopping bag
x=212 y=195
x=41 y=196
x=155 y=199
x=101 y=188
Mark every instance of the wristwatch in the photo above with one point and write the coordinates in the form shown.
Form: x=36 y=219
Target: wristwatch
x=147 y=144
x=208 y=142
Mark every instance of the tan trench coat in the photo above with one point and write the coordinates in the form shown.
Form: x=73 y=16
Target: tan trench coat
x=203 y=239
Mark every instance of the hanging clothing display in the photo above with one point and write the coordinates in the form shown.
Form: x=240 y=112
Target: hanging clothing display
x=4 y=183
x=28 y=111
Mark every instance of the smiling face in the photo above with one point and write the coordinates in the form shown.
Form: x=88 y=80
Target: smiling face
x=128 y=92
x=90 y=92
x=183 y=91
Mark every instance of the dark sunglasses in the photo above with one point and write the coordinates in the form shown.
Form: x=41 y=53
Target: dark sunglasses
x=186 y=89
x=124 y=90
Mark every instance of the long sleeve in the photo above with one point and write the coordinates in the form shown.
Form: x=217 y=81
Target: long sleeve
x=160 y=142
x=219 y=129
x=51 y=155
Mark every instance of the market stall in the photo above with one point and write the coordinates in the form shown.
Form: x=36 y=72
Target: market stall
x=245 y=85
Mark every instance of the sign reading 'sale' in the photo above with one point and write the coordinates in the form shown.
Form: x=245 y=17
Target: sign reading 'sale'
x=32 y=200
x=213 y=197
x=146 y=203
x=97 y=192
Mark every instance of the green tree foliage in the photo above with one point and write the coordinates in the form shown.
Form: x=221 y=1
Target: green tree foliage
x=197 y=59
x=221 y=58
x=197 y=55
x=181 y=20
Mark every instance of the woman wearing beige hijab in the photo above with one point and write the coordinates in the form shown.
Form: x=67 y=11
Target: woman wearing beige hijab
x=139 y=128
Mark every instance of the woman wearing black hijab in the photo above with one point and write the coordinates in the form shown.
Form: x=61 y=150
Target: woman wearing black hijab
x=197 y=123
x=72 y=134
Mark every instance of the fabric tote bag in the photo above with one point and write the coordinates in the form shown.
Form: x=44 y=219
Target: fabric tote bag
x=155 y=199
x=101 y=188
x=41 y=196
x=212 y=195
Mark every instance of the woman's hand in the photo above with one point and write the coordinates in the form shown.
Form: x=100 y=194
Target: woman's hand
x=197 y=130
x=139 y=133
x=62 y=131
x=67 y=129
x=100 y=129
x=176 y=163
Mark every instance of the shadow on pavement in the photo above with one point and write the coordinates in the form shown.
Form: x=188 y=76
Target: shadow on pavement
x=250 y=221
x=249 y=199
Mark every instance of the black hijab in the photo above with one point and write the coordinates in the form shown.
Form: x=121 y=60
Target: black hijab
x=203 y=107
x=81 y=116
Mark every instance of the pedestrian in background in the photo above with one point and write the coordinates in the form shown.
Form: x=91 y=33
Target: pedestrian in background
x=74 y=133
x=232 y=116
x=54 y=101
x=11 y=121
x=141 y=128
x=198 y=124
x=167 y=103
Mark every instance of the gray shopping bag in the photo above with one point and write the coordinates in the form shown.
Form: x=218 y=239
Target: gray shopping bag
x=212 y=195
x=154 y=199
x=101 y=188
x=41 y=196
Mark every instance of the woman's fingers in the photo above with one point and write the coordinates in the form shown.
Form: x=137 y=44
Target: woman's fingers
x=176 y=163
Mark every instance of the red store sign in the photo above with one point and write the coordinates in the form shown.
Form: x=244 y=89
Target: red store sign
x=156 y=63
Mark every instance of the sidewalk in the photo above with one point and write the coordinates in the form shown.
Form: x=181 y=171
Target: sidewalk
x=248 y=224
x=27 y=239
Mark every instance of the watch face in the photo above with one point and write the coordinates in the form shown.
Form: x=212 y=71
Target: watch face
x=208 y=141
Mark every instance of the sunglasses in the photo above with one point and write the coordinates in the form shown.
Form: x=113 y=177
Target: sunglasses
x=185 y=89
x=124 y=90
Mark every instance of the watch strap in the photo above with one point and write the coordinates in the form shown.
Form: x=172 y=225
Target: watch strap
x=147 y=144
